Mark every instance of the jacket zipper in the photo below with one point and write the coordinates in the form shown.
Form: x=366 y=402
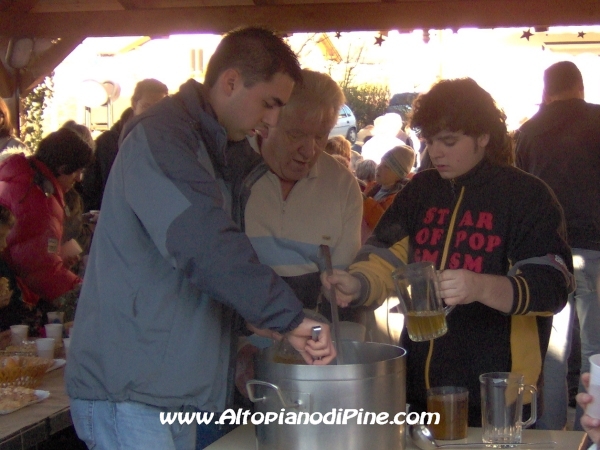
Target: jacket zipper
x=451 y=227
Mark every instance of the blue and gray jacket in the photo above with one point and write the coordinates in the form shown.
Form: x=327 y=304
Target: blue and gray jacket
x=168 y=267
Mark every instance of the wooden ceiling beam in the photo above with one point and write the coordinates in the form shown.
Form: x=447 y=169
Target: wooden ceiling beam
x=46 y=62
x=7 y=75
x=264 y=2
x=17 y=5
x=7 y=82
x=131 y=4
x=306 y=17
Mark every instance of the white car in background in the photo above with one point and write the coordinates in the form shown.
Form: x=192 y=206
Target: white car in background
x=346 y=125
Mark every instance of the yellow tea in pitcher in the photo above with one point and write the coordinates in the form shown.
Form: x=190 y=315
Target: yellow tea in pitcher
x=425 y=325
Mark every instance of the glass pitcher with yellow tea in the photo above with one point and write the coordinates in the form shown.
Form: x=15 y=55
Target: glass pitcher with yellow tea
x=424 y=311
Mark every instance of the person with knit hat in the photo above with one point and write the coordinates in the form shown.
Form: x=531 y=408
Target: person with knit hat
x=391 y=176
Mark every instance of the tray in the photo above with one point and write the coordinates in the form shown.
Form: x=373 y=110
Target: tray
x=41 y=396
x=24 y=371
x=26 y=348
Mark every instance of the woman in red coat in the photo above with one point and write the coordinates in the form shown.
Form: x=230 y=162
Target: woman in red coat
x=33 y=188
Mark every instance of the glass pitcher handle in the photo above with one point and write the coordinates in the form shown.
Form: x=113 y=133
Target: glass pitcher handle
x=448 y=309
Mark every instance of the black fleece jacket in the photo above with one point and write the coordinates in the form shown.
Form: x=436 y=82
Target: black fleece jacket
x=561 y=145
x=485 y=221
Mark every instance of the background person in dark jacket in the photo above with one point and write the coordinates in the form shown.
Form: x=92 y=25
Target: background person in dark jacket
x=561 y=145
x=147 y=93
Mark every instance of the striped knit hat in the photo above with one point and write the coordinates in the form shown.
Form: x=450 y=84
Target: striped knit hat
x=400 y=159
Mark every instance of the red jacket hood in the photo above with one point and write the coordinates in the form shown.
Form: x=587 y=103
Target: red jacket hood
x=18 y=169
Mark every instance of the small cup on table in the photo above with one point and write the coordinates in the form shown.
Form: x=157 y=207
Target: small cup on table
x=45 y=347
x=18 y=334
x=55 y=331
x=452 y=405
x=56 y=317
x=593 y=408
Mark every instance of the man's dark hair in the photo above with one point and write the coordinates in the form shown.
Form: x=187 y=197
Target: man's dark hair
x=64 y=149
x=462 y=105
x=561 y=77
x=257 y=53
x=149 y=85
x=82 y=131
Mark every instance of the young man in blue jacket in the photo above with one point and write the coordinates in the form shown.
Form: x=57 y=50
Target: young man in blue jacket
x=168 y=267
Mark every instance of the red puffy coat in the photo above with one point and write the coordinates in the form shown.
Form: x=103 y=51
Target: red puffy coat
x=34 y=196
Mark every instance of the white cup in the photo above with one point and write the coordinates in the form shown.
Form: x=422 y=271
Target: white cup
x=18 y=334
x=67 y=343
x=70 y=248
x=593 y=409
x=45 y=347
x=55 y=331
x=56 y=317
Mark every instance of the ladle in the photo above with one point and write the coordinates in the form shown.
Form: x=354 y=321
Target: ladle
x=422 y=437
x=335 y=321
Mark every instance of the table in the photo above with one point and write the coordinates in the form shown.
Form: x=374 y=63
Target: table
x=34 y=424
x=242 y=438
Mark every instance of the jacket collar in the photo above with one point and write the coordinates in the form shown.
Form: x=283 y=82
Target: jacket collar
x=45 y=179
x=477 y=176
x=194 y=98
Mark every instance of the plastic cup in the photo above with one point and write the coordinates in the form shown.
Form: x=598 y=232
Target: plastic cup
x=593 y=409
x=67 y=343
x=45 y=347
x=56 y=317
x=55 y=331
x=18 y=334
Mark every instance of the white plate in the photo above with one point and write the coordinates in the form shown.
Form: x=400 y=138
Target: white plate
x=57 y=363
x=41 y=395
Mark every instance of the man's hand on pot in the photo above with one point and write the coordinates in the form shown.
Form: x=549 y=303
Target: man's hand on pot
x=319 y=352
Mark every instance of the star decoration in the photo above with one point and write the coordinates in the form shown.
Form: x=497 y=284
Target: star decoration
x=527 y=34
x=338 y=34
x=379 y=40
x=581 y=34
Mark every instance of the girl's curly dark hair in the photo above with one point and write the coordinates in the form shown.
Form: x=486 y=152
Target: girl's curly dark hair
x=462 y=105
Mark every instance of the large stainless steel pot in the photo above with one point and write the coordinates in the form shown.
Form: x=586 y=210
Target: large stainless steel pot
x=373 y=380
